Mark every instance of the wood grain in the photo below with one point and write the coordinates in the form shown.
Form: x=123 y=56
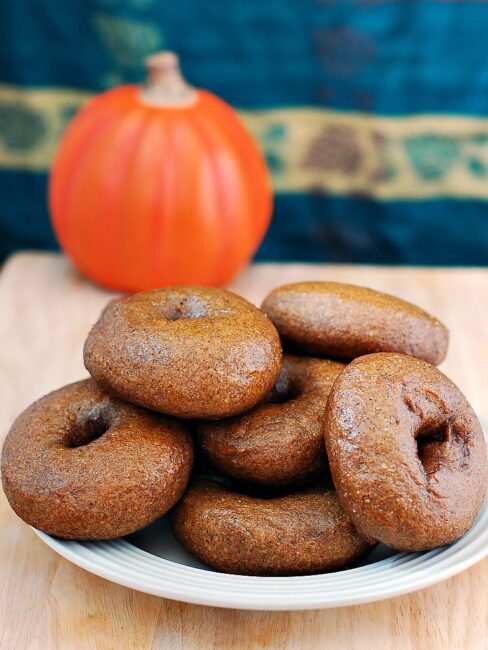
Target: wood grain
x=46 y=310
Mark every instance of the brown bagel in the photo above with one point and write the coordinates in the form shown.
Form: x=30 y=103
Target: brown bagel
x=80 y=464
x=347 y=321
x=302 y=533
x=186 y=351
x=277 y=443
x=406 y=451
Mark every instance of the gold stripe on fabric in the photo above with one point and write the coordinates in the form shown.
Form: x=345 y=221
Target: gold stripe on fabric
x=31 y=123
x=307 y=149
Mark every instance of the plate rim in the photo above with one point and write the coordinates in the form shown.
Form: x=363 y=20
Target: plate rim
x=233 y=602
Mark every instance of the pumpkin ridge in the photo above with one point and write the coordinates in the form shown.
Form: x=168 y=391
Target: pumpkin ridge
x=222 y=247
x=226 y=196
x=85 y=218
x=126 y=203
x=159 y=189
x=62 y=182
x=173 y=174
x=253 y=162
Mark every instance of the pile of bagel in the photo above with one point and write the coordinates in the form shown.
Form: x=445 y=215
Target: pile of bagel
x=285 y=440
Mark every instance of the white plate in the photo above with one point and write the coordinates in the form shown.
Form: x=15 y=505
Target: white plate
x=152 y=561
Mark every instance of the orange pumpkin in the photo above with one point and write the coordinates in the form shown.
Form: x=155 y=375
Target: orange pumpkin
x=159 y=185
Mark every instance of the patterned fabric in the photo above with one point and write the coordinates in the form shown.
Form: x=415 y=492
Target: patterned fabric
x=371 y=114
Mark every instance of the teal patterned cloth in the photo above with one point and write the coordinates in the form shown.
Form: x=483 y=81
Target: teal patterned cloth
x=373 y=116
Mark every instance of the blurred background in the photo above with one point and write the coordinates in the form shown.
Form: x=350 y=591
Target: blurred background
x=371 y=115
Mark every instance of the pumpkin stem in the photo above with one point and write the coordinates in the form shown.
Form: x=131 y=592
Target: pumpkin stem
x=165 y=86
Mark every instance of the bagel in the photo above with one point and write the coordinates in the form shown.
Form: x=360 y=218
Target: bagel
x=406 y=452
x=302 y=533
x=192 y=352
x=347 y=321
x=80 y=464
x=280 y=441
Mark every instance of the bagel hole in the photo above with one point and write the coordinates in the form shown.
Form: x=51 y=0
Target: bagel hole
x=282 y=394
x=186 y=308
x=87 y=430
x=431 y=435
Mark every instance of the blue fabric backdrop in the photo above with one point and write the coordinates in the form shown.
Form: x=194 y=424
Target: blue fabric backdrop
x=372 y=115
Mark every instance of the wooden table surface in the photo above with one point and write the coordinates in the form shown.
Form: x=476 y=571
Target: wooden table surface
x=46 y=310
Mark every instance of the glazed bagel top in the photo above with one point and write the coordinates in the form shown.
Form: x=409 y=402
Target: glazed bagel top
x=300 y=533
x=281 y=440
x=347 y=321
x=406 y=451
x=80 y=464
x=194 y=352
